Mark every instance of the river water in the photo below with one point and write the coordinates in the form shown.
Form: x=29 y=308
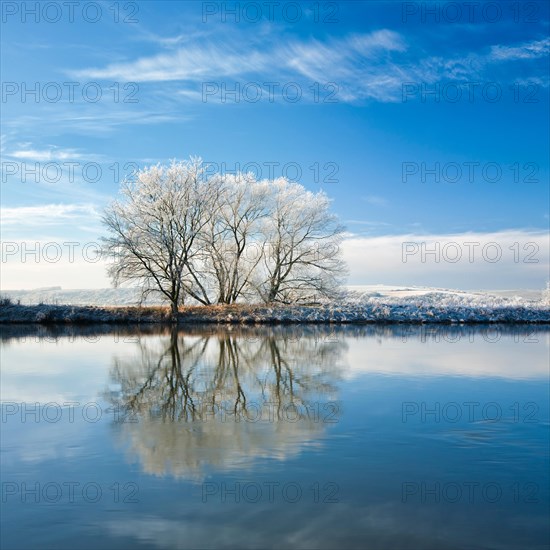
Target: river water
x=275 y=437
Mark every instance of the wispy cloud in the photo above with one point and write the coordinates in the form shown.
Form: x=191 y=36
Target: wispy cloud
x=364 y=66
x=169 y=42
x=528 y=50
x=344 y=61
x=83 y=121
x=191 y=63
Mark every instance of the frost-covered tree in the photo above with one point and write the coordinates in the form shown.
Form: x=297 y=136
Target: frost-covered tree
x=222 y=239
x=302 y=258
x=154 y=230
x=232 y=236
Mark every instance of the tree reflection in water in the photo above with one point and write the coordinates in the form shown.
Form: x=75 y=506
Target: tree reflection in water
x=203 y=400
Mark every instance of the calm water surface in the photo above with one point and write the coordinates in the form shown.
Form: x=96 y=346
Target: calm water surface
x=285 y=437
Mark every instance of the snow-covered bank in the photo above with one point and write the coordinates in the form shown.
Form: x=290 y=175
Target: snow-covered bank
x=353 y=308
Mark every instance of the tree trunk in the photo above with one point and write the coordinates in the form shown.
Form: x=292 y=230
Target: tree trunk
x=174 y=311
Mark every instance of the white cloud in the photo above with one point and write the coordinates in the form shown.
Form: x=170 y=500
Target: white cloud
x=190 y=63
x=390 y=260
x=364 y=66
x=86 y=121
x=46 y=245
x=45 y=155
x=528 y=50
x=354 y=62
x=46 y=214
x=29 y=269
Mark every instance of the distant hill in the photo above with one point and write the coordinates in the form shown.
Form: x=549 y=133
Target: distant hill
x=131 y=296
x=80 y=297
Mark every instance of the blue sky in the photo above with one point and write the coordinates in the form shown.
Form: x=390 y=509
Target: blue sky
x=362 y=130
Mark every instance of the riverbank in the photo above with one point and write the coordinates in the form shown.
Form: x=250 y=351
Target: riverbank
x=370 y=311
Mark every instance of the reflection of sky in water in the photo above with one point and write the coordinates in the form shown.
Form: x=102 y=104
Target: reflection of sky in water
x=372 y=453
